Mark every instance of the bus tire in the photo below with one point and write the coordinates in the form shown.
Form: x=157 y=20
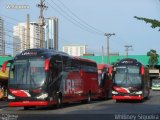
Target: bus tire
x=26 y=108
x=106 y=96
x=118 y=101
x=59 y=101
x=141 y=101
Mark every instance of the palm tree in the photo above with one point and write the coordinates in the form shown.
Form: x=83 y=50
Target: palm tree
x=154 y=23
x=153 y=58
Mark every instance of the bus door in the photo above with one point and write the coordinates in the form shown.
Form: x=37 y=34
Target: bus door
x=106 y=83
x=55 y=74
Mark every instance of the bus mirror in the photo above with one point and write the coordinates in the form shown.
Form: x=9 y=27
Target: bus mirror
x=46 y=65
x=142 y=70
x=4 y=66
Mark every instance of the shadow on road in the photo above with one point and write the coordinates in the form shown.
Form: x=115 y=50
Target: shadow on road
x=54 y=107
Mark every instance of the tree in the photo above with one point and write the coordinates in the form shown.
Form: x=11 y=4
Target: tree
x=153 y=58
x=154 y=23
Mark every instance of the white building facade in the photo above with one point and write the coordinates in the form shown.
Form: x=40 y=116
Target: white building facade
x=2 y=37
x=20 y=37
x=75 y=50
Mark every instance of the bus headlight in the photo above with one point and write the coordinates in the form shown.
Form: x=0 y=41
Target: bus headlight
x=114 y=92
x=42 y=96
x=138 y=93
x=10 y=97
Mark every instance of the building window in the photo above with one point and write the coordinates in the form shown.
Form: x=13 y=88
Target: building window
x=66 y=49
x=81 y=51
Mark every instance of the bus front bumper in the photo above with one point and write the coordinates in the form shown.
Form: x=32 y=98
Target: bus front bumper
x=127 y=97
x=28 y=103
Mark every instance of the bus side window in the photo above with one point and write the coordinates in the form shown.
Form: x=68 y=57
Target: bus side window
x=104 y=77
x=64 y=62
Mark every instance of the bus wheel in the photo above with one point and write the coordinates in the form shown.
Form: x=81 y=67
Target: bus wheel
x=106 y=96
x=59 y=101
x=118 y=101
x=26 y=108
x=141 y=101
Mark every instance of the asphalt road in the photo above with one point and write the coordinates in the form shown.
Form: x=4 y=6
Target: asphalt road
x=98 y=110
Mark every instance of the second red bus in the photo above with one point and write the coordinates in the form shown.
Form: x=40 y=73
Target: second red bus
x=104 y=80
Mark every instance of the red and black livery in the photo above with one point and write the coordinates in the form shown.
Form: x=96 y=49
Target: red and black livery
x=42 y=77
x=130 y=80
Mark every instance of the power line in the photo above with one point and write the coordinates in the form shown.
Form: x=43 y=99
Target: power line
x=15 y=38
x=21 y=34
x=10 y=31
x=32 y=38
x=98 y=31
x=62 y=39
x=11 y=18
x=72 y=20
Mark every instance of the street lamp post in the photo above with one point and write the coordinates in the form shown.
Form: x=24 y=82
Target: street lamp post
x=108 y=36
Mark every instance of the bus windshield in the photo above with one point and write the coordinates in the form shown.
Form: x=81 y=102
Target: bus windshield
x=127 y=76
x=27 y=74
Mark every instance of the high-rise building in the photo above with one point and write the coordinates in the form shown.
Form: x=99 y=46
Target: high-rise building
x=20 y=37
x=75 y=50
x=2 y=37
x=51 y=33
x=34 y=35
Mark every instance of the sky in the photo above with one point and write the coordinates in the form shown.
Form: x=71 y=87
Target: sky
x=84 y=22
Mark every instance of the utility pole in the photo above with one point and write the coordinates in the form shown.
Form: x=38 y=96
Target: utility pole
x=42 y=6
x=127 y=49
x=108 y=36
x=102 y=54
x=56 y=33
x=28 y=32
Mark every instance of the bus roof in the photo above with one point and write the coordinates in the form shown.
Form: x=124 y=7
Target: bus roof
x=37 y=52
x=128 y=61
x=83 y=59
x=101 y=66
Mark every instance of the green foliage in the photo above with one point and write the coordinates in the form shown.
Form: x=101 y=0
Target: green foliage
x=153 y=58
x=154 y=23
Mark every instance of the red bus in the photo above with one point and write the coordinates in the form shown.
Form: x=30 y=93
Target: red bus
x=130 y=80
x=104 y=80
x=43 y=77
